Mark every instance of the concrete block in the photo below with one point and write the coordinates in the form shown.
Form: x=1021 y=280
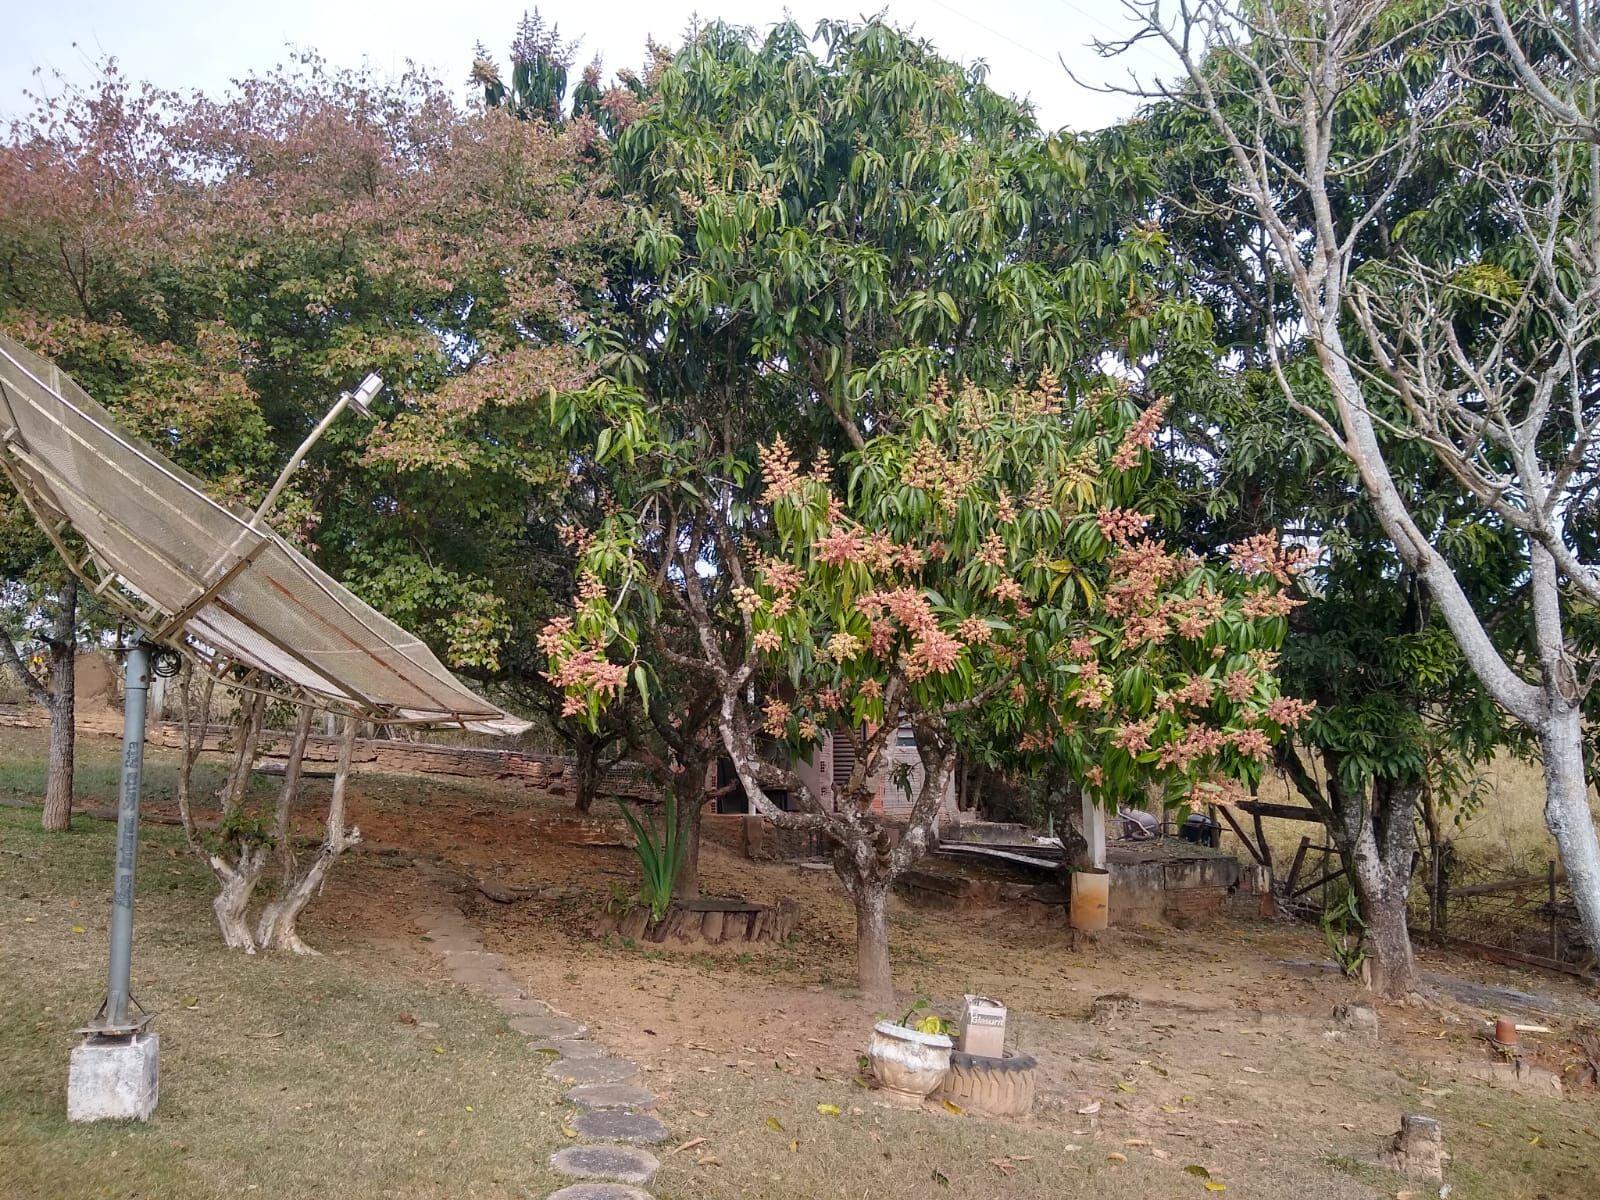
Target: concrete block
x=114 y=1079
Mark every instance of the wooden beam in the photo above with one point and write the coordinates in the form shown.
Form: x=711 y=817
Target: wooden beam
x=1514 y=958
x=1520 y=883
x=1284 y=812
x=1227 y=816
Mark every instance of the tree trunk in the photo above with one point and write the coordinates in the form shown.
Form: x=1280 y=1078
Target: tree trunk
x=689 y=791
x=63 y=711
x=1568 y=816
x=1377 y=848
x=293 y=767
x=63 y=736
x=1395 y=976
x=238 y=879
x=232 y=904
x=876 y=976
x=586 y=763
x=278 y=927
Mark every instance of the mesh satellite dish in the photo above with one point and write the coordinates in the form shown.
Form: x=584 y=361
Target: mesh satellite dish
x=208 y=579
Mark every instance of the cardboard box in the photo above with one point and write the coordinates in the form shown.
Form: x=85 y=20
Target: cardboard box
x=983 y=1027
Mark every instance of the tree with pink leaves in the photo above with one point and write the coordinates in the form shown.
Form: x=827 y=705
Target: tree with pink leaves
x=984 y=562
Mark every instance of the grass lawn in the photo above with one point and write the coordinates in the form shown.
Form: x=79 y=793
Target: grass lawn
x=281 y=1077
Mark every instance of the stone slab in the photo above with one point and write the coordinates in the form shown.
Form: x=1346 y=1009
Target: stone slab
x=576 y=1048
x=620 y=1125
x=548 y=1027
x=599 y=1191
x=620 y=1164
x=526 y=1006
x=593 y=1070
x=611 y=1095
x=114 y=1079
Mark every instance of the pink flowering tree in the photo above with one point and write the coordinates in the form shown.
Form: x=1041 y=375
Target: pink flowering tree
x=984 y=561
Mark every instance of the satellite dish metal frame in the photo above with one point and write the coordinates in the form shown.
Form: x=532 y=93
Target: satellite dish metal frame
x=123 y=1081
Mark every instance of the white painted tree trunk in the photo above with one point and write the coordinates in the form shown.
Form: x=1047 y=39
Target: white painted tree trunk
x=1548 y=709
x=232 y=903
x=278 y=928
x=873 y=969
x=1568 y=816
x=1382 y=868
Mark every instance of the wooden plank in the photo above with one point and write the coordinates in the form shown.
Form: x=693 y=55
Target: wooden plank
x=1240 y=834
x=722 y=906
x=991 y=852
x=1299 y=860
x=1284 y=812
x=1513 y=958
x=1327 y=877
x=1518 y=883
x=1261 y=841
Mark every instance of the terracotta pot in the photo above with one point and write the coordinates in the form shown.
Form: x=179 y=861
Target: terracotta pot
x=909 y=1065
x=1091 y=899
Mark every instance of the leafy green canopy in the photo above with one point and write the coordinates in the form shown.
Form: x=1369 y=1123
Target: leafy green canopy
x=817 y=234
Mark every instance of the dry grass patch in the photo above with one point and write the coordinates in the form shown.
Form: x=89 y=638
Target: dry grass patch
x=280 y=1077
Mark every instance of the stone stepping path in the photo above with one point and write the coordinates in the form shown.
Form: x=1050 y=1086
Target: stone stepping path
x=619 y=1164
x=593 y=1070
x=620 y=1125
x=611 y=1095
x=574 y=1048
x=606 y=1088
x=548 y=1026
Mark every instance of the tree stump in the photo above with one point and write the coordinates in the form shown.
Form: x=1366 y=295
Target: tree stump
x=702 y=922
x=633 y=923
x=667 y=926
x=688 y=931
x=1418 y=1149
x=787 y=913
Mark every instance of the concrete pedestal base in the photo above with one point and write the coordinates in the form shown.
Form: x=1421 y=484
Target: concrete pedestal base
x=114 y=1079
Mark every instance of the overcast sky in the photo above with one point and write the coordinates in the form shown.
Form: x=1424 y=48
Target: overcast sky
x=183 y=44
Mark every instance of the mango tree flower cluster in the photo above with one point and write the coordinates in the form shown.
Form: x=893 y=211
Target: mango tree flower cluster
x=1058 y=619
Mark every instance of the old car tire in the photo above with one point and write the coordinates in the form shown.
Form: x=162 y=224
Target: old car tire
x=990 y=1087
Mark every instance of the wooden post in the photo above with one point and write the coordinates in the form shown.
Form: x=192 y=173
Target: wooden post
x=1261 y=841
x=1299 y=861
x=1258 y=855
x=1094 y=831
x=1555 y=927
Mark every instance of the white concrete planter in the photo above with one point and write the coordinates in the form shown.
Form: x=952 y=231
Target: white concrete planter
x=909 y=1065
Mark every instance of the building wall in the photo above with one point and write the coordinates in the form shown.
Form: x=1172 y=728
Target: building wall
x=888 y=797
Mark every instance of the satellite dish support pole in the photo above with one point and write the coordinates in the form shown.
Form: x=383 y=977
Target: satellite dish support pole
x=115 y=1068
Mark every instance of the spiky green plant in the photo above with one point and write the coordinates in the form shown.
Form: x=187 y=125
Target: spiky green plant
x=660 y=854
x=1343 y=929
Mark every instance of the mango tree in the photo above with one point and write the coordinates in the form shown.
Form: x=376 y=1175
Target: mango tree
x=819 y=227
x=985 y=560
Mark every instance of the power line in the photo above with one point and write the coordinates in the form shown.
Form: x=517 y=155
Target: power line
x=1004 y=37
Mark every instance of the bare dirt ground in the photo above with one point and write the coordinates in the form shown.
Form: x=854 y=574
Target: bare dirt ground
x=1223 y=1074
